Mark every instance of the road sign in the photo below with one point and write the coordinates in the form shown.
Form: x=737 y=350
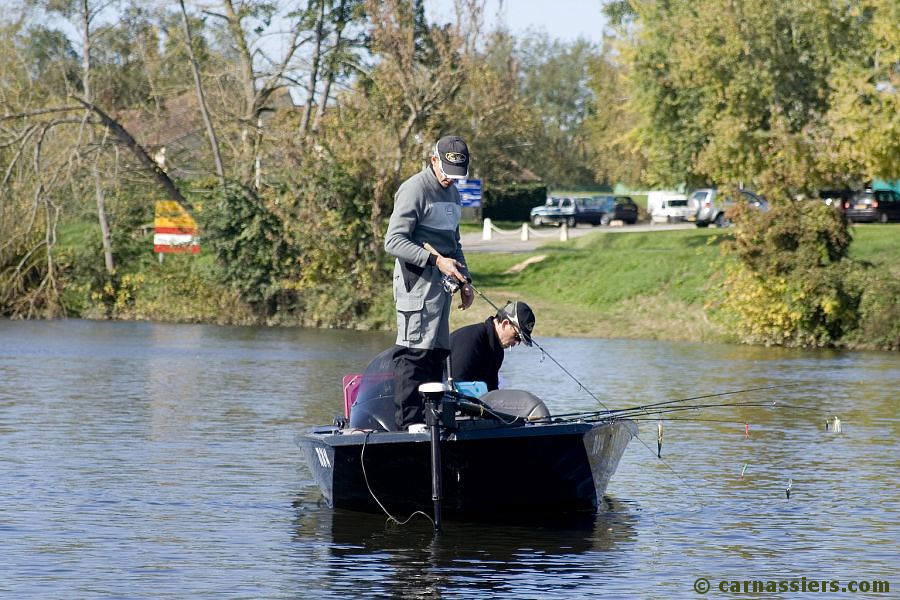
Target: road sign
x=175 y=229
x=469 y=192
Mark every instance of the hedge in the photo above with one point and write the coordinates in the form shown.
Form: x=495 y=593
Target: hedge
x=512 y=202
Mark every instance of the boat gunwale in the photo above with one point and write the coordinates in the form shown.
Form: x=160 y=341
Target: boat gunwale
x=331 y=436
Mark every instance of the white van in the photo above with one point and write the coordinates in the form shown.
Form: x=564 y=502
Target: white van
x=671 y=208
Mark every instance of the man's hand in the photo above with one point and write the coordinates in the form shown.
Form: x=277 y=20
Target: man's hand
x=466 y=295
x=450 y=266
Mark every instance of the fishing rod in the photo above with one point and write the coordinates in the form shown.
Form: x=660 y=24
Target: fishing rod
x=591 y=394
x=643 y=407
x=703 y=396
x=547 y=354
x=637 y=413
x=670 y=410
x=453 y=284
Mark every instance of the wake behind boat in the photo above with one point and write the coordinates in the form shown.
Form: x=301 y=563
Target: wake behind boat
x=502 y=454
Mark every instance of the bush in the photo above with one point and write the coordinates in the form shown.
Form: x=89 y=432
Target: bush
x=249 y=244
x=879 y=311
x=512 y=202
x=791 y=284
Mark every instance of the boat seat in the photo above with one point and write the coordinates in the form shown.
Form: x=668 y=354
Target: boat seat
x=516 y=402
x=369 y=400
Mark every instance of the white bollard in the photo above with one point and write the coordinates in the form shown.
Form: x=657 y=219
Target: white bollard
x=486 y=234
x=564 y=233
x=524 y=236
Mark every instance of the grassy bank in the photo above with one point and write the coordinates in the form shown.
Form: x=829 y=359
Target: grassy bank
x=654 y=285
x=645 y=285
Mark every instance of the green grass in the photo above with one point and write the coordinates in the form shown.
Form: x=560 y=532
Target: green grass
x=654 y=285
x=603 y=270
x=876 y=243
x=615 y=285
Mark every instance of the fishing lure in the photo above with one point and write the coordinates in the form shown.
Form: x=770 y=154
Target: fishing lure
x=659 y=436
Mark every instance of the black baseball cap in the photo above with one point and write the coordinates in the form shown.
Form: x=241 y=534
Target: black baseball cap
x=454 y=156
x=520 y=315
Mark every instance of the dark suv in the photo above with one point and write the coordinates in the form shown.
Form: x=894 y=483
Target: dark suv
x=868 y=205
x=618 y=208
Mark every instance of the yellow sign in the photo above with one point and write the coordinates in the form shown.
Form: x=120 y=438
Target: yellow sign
x=170 y=214
x=176 y=230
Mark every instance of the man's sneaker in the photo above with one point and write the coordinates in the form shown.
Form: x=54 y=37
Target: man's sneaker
x=417 y=428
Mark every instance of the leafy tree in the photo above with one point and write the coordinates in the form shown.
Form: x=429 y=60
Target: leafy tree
x=864 y=113
x=730 y=92
x=613 y=157
x=553 y=80
x=248 y=240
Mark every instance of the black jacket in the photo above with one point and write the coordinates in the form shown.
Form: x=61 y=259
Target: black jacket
x=476 y=353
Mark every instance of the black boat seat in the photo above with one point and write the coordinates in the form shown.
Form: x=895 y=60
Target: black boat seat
x=516 y=402
x=373 y=407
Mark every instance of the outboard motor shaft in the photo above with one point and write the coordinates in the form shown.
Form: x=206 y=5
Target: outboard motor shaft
x=433 y=394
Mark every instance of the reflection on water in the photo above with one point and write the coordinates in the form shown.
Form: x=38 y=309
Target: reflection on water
x=158 y=461
x=410 y=561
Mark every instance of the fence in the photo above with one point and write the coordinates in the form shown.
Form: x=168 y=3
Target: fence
x=524 y=232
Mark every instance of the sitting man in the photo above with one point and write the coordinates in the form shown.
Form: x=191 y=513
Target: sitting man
x=476 y=351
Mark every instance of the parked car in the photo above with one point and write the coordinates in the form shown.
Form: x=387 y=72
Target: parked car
x=672 y=209
x=868 y=205
x=571 y=211
x=555 y=211
x=711 y=205
x=589 y=210
x=835 y=198
x=618 y=208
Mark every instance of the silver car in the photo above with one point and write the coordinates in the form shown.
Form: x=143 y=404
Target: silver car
x=711 y=206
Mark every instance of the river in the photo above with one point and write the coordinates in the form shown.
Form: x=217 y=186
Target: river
x=142 y=460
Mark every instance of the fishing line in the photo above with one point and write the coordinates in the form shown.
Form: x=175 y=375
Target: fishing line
x=374 y=497
x=701 y=397
x=547 y=354
x=592 y=395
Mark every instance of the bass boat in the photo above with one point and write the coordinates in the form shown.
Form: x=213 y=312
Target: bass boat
x=500 y=454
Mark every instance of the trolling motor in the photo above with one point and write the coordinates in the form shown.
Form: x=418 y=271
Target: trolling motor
x=434 y=394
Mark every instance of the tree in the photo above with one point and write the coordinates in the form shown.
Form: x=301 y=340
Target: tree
x=258 y=75
x=613 y=156
x=402 y=98
x=742 y=99
x=554 y=80
x=864 y=113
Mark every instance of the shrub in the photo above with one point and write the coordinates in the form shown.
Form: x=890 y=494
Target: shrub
x=512 y=202
x=879 y=311
x=791 y=284
x=248 y=242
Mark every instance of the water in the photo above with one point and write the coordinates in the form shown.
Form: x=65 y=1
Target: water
x=158 y=461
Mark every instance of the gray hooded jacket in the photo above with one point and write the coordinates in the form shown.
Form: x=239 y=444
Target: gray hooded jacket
x=424 y=211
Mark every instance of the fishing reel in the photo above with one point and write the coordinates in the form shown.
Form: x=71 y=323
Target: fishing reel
x=451 y=284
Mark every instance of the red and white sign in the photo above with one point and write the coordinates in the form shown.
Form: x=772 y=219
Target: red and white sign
x=175 y=229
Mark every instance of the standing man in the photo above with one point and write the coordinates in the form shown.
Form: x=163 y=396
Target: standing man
x=476 y=351
x=426 y=210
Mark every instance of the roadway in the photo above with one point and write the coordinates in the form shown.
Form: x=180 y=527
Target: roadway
x=511 y=242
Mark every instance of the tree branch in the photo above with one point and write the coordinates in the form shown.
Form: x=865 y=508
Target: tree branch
x=148 y=163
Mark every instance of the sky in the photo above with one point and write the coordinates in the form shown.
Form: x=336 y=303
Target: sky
x=566 y=20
